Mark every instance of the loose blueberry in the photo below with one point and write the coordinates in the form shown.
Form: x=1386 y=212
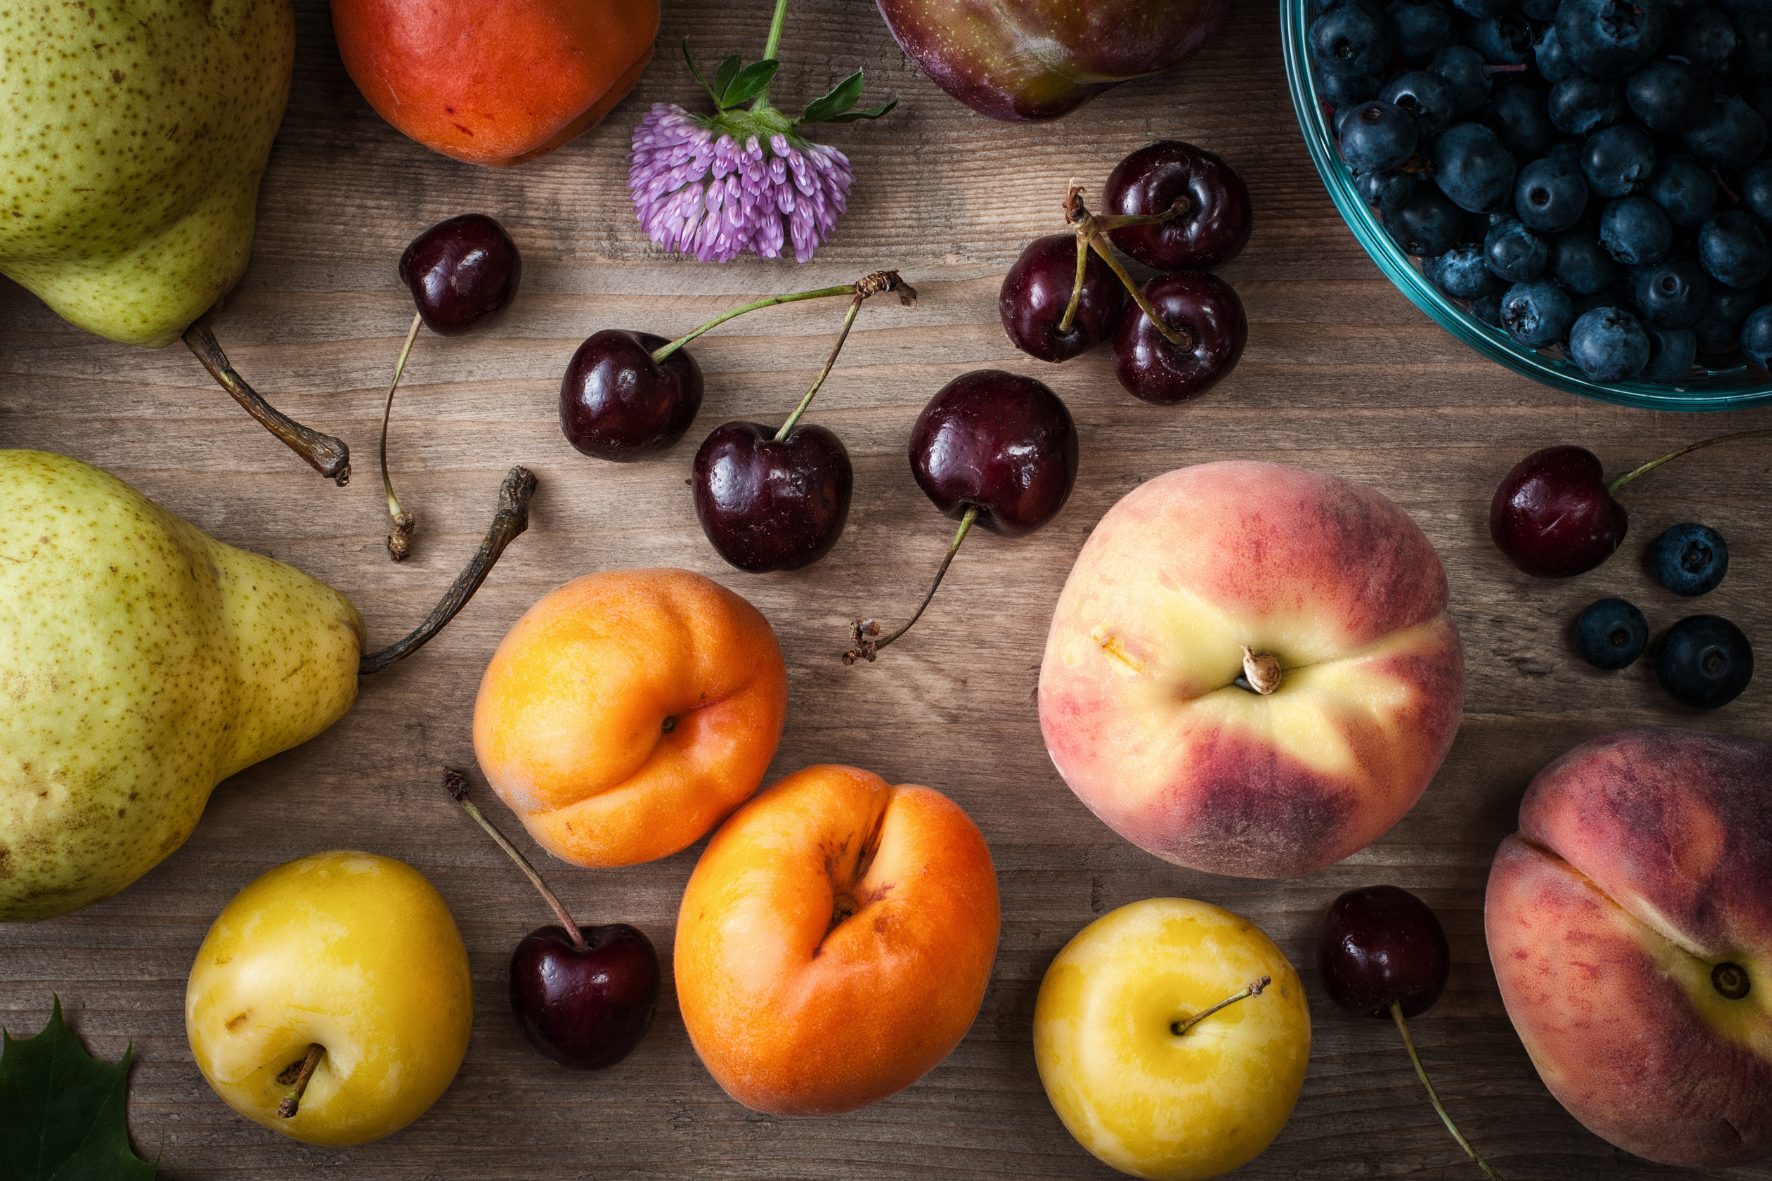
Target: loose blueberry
x=1551 y=195
x=1537 y=314
x=1635 y=231
x=1689 y=559
x=1513 y=252
x=1611 y=634
x=1705 y=661
x=1608 y=344
x=1734 y=250
x=1473 y=168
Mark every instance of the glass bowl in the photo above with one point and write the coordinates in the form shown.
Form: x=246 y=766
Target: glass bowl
x=1732 y=389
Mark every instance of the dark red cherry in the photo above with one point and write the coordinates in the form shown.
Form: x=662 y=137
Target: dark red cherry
x=768 y=505
x=617 y=403
x=1214 y=228
x=1037 y=290
x=1000 y=441
x=461 y=272
x=585 y=1008
x=1203 y=307
x=1383 y=944
x=1553 y=515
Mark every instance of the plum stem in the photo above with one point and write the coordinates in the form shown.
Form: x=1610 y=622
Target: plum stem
x=1089 y=229
x=769 y=49
x=325 y=454
x=868 y=285
x=510 y=521
x=1255 y=988
x=1421 y=1072
x=1655 y=463
x=457 y=783
x=291 y=1103
x=862 y=631
x=400 y=540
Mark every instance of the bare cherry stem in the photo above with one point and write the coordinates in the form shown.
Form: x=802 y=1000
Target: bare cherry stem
x=1421 y=1072
x=457 y=783
x=400 y=540
x=1687 y=449
x=510 y=521
x=1178 y=1028
x=325 y=454
x=867 y=285
x=862 y=631
x=291 y=1103
x=1091 y=228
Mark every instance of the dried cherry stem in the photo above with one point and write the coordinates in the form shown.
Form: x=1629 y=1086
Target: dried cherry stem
x=512 y=518
x=1421 y=1072
x=876 y=282
x=1690 y=447
x=1089 y=229
x=400 y=540
x=457 y=783
x=862 y=631
x=1255 y=988
x=291 y=1103
x=1114 y=222
x=325 y=454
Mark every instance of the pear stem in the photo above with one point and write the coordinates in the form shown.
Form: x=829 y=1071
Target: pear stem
x=1690 y=447
x=1089 y=228
x=862 y=630
x=512 y=518
x=291 y=1103
x=325 y=454
x=1178 y=1028
x=457 y=783
x=1421 y=1072
x=400 y=540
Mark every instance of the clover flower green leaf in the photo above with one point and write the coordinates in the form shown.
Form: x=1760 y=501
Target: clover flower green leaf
x=62 y=1114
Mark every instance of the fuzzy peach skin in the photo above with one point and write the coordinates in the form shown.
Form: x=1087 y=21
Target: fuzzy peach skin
x=1643 y=865
x=494 y=82
x=627 y=713
x=835 y=941
x=1137 y=701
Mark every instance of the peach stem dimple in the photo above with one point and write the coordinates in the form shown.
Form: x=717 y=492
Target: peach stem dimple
x=1421 y=1072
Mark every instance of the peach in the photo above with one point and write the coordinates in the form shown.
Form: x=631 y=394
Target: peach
x=1630 y=925
x=835 y=941
x=1140 y=702
x=494 y=82
x=627 y=713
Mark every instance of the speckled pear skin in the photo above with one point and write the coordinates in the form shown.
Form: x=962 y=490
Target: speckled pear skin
x=134 y=136
x=141 y=663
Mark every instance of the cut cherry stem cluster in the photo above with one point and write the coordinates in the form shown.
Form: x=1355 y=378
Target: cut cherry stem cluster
x=457 y=783
x=296 y=1077
x=325 y=454
x=1178 y=1028
x=1091 y=230
x=863 y=631
x=1396 y=1011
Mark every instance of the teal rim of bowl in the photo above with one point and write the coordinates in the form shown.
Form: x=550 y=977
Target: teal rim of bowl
x=1709 y=393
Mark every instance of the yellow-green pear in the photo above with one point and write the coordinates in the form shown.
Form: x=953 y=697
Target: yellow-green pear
x=142 y=662
x=133 y=138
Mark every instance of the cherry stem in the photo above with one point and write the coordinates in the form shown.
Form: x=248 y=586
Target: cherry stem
x=1070 y=309
x=848 y=322
x=291 y=1103
x=325 y=454
x=664 y=351
x=457 y=783
x=1421 y=1072
x=1089 y=229
x=862 y=630
x=510 y=521
x=1178 y=1028
x=400 y=540
x=1655 y=463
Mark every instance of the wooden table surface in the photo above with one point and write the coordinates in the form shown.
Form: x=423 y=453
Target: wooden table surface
x=1341 y=375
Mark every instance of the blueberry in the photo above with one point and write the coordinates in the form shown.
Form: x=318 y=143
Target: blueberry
x=1705 y=661
x=1617 y=160
x=1482 y=8
x=1519 y=116
x=1515 y=253
x=1581 y=104
x=1689 y=559
x=1672 y=293
x=1424 y=95
x=1538 y=313
x=1487 y=308
x=1706 y=39
x=1672 y=352
x=1540 y=10
x=1504 y=39
x=1580 y=263
x=1472 y=167
x=1550 y=195
x=1386 y=192
x=1347 y=90
x=1669 y=95
x=1610 y=38
x=1719 y=329
x=1553 y=64
x=1635 y=231
x=1756 y=337
x=1463 y=69
x=1753 y=49
x=1734 y=250
x=1461 y=272
x=1609 y=344
x=1611 y=634
x=1729 y=136
x=1684 y=190
x=1352 y=38
x=1377 y=137
x=1756 y=189
x=1430 y=224
x=1420 y=29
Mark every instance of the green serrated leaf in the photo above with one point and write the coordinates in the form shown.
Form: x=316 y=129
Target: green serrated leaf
x=696 y=70
x=873 y=113
x=62 y=1110
x=749 y=83
x=723 y=77
x=842 y=96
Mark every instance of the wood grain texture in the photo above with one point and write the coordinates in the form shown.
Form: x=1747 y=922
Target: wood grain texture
x=1341 y=374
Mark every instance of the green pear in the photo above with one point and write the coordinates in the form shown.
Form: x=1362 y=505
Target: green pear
x=134 y=136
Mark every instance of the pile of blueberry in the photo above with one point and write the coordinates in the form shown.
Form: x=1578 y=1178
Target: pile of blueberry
x=1588 y=175
x=1705 y=660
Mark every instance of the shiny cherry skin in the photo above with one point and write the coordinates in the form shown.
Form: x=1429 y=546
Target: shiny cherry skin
x=1553 y=515
x=617 y=403
x=1212 y=231
x=461 y=272
x=1152 y=368
x=1382 y=944
x=768 y=505
x=1037 y=290
x=1001 y=442
x=585 y=1009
